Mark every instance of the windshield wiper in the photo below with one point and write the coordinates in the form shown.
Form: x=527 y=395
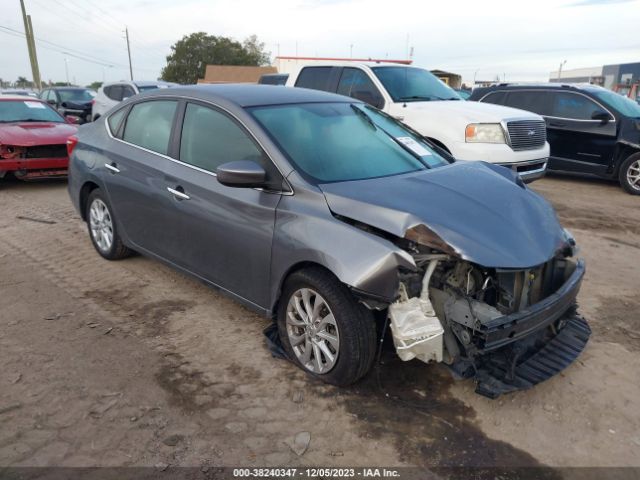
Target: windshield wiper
x=418 y=97
x=366 y=117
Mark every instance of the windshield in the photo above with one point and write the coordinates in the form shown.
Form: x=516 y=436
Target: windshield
x=406 y=84
x=624 y=105
x=27 y=111
x=77 y=95
x=335 y=142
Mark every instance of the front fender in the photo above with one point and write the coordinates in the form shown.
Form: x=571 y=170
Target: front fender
x=307 y=232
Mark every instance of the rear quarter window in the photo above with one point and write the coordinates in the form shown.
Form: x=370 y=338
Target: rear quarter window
x=316 y=78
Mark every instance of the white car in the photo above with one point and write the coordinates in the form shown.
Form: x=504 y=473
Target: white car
x=467 y=130
x=111 y=94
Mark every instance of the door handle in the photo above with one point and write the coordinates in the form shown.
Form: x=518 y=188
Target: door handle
x=179 y=194
x=112 y=167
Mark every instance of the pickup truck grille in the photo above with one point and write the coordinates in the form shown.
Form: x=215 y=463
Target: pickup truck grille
x=47 y=151
x=527 y=134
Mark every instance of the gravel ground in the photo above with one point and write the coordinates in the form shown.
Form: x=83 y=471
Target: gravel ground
x=132 y=364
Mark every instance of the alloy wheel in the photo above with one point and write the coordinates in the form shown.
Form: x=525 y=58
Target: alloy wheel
x=633 y=175
x=101 y=225
x=312 y=331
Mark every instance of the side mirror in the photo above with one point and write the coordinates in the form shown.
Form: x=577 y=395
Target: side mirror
x=601 y=116
x=242 y=174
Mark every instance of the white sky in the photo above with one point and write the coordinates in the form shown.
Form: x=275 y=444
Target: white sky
x=519 y=40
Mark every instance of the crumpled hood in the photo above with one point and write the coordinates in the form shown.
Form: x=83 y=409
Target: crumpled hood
x=476 y=208
x=28 y=134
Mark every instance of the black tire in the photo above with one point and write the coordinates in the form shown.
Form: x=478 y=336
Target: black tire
x=633 y=160
x=355 y=324
x=117 y=249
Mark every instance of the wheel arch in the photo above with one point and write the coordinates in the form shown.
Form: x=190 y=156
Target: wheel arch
x=623 y=151
x=86 y=189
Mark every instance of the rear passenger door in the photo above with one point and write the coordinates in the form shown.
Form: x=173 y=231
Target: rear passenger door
x=134 y=174
x=579 y=143
x=222 y=234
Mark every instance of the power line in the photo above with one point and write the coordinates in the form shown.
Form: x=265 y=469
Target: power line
x=67 y=51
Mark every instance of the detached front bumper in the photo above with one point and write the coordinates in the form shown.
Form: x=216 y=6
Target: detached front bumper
x=518 y=351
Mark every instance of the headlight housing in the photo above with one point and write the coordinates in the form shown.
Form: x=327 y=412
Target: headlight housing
x=484 y=133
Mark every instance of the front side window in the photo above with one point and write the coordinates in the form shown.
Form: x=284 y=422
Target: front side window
x=530 y=100
x=333 y=142
x=27 y=111
x=497 y=98
x=149 y=125
x=572 y=105
x=210 y=138
x=127 y=92
x=624 y=105
x=316 y=78
x=356 y=84
x=408 y=84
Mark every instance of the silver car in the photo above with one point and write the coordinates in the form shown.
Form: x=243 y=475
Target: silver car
x=341 y=224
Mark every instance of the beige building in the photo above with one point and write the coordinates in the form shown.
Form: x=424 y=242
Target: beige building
x=234 y=74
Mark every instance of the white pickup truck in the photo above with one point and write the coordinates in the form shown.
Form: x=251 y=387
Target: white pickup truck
x=468 y=130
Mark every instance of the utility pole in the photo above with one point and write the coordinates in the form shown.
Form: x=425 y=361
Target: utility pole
x=126 y=31
x=560 y=69
x=31 y=46
x=66 y=70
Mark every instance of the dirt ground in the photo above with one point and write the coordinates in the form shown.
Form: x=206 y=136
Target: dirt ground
x=132 y=364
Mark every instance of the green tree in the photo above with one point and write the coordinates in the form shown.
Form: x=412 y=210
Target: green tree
x=22 y=82
x=94 y=85
x=190 y=55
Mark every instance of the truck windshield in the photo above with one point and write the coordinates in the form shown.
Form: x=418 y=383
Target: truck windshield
x=335 y=142
x=406 y=84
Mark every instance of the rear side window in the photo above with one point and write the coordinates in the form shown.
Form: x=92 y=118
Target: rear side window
x=357 y=84
x=572 y=105
x=499 y=98
x=115 y=120
x=316 y=78
x=530 y=100
x=149 y=125
x=210 y=138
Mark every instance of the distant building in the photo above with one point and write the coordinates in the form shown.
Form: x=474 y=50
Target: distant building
x=234 y=74
x=608 y=76
x=591 y=75
x=623 y=74
x=452 y=79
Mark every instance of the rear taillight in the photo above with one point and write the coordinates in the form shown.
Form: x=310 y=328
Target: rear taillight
x=72 y=141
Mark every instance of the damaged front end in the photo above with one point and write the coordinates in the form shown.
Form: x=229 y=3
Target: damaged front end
x=509 y=329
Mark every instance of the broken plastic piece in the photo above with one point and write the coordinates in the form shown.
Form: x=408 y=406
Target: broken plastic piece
x=416 y=330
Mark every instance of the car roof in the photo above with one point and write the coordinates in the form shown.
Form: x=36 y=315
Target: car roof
x=244 y=95
x=24 y=98
x=66 y=88
x=541 y=85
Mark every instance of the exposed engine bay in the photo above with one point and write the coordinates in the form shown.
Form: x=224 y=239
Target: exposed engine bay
x=490 y=323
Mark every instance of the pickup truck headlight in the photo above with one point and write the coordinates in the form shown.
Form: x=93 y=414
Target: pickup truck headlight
x=484 y=133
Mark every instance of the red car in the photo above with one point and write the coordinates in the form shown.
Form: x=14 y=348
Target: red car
x=33 y=138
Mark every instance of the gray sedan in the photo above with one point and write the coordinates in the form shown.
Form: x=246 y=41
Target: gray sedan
x=341 y=224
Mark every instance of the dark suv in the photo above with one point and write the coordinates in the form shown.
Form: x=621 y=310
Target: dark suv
x=591 y=130
x=70 y=101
